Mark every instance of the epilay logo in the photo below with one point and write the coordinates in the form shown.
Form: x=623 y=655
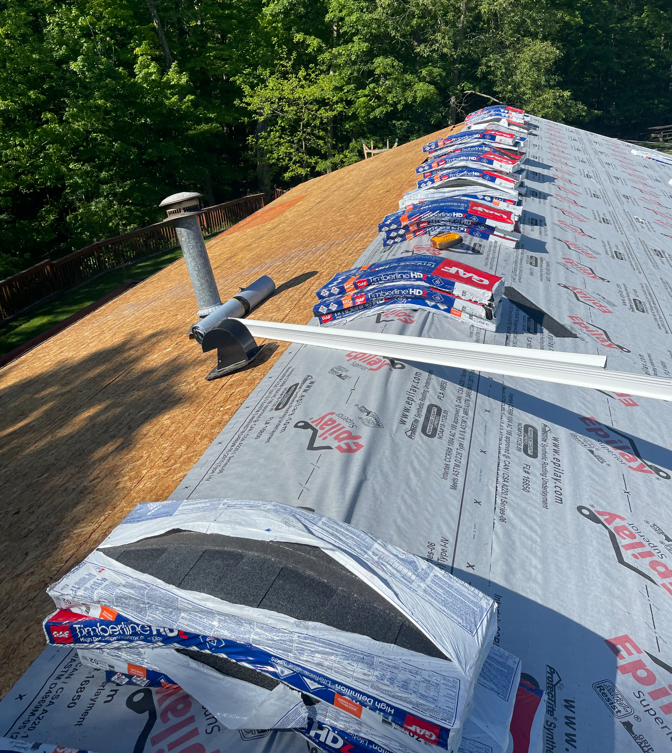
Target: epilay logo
x=325 y=428
x=628 y=544
x=623 y=445
x=574 y=229
x=586 y=298
x=575 y=247
x=373 y=363
x=622 y=398
x=625 y=648
x=395 y=315
x=583 y=268
x=598 y=333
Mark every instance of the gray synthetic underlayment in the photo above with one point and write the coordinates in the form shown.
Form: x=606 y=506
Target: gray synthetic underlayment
x=529 y=491
x=293 y=579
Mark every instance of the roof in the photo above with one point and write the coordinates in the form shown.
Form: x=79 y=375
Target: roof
x=115 y=410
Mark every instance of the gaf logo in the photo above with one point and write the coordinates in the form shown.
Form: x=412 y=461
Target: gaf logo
x=464 y=274
x=422 y=729
x=60 y=633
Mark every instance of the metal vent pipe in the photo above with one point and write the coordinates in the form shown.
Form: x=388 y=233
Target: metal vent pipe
x=182 y=210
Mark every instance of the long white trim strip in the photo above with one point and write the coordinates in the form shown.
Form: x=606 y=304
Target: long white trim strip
x=579 y=370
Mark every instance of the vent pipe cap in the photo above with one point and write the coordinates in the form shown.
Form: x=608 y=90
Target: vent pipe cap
x=184 y=202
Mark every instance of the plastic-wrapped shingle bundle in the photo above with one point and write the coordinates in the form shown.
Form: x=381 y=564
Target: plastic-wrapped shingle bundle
x=489 y=720
x=314 y=604
x=471 y=176
x=509 y=117
x=498 y=197
x=479 y=154
x=476 y=230
x=443 y=285
x=494 y=136
x=494 y=223
x=449 y=210
x=242 y=698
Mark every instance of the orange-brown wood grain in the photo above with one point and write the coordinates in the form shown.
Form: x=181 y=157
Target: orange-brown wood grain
x=114 y=410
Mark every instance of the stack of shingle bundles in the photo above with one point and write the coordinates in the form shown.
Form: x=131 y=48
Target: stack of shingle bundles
x=480 y=166
x=505 y=116
x=274 y=617
x=445 y=286
x=470 y=216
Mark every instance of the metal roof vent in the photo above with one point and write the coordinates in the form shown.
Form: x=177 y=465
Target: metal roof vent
x=184 y=202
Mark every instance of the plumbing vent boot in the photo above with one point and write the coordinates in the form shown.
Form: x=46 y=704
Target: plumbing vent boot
x=235 y=345
x=236 y=348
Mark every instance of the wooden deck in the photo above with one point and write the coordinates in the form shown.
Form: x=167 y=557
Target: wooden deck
x=115 y=410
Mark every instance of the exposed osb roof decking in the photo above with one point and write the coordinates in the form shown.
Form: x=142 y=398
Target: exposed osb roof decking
x=115 y=410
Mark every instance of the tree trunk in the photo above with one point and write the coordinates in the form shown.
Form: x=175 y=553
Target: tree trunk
x=456 y=68
x=263 y=171
x=330 y=120
x=209 y=195
x=160 y=34
x=330 y=136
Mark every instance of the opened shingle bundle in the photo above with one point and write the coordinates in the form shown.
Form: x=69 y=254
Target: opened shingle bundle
x=322 y=723
x=317 y=606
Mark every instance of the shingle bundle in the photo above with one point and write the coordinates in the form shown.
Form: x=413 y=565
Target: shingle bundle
x=273 y=617
x=445 y=286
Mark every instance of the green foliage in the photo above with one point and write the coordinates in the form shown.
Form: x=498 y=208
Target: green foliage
x=107 y=106
x=295 y=108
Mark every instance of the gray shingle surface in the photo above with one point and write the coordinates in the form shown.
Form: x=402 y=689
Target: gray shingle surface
x=300 y=581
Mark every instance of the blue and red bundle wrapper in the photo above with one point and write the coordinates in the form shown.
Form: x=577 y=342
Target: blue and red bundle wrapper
x=476 y=230
x=496 y=113
x=476 y=175
x=471 y=155
x=497 y=197
x=444 y=309
x=449 y=210
x=78 y=631
x=394 y=291
x=447 y=275
x=493 y=135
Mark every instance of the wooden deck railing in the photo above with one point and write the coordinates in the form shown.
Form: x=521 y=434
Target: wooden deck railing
x=27 y=288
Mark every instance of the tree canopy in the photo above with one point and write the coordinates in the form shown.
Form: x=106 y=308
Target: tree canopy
x=107 y=106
